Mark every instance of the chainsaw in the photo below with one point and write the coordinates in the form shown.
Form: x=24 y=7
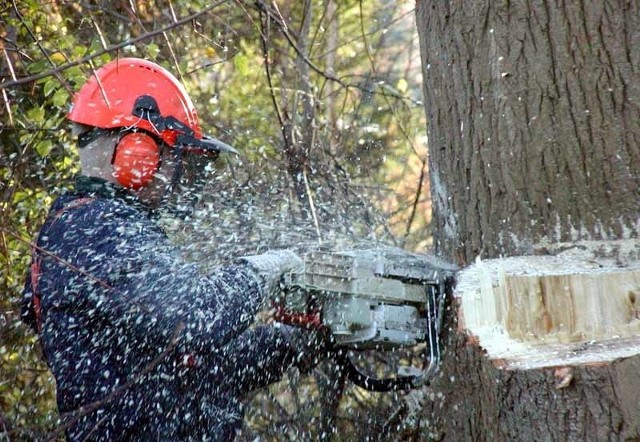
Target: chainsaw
x=372 y=300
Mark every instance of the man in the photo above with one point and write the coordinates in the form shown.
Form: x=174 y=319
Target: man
x=143 y=346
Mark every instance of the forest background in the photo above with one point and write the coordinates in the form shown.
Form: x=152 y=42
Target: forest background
x=323 y=99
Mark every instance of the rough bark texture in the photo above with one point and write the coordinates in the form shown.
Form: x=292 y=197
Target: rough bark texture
x=478 y=402
x=534 y=122
x=533 y=114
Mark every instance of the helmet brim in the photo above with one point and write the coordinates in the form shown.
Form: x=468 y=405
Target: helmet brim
x=205 y=145
x=213 y=143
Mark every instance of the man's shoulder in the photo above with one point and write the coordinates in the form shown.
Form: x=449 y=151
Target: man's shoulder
x=95 y=217
x=89 y=227
x=86 y=205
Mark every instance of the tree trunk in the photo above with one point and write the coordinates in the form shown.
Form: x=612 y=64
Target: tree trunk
x=476 y=401
x=533 y=115
x=534 y=122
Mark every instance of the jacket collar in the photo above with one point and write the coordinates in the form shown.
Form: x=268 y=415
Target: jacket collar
x=100 y=188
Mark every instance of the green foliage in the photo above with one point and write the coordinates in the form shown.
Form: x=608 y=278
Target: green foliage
x=37 y=162
x=361 y=144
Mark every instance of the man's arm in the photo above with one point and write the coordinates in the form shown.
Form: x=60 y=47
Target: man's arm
x=115 y=265
x=261 y=356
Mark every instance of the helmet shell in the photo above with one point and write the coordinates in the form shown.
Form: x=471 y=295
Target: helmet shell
x=107 y=99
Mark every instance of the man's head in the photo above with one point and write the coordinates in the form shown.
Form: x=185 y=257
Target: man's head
x=147 y=173
x=134 y=122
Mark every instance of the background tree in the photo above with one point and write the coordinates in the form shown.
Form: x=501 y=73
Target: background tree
x=533 y=132
x=322 y=98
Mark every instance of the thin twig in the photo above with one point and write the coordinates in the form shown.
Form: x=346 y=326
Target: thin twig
x=8 y=106
x=416 y=200
x=63 y=67
x=95 y=427
x=173 y=56
x=312 y=206
x=103 y=42
x=134 y=14
x=6 y=56
x=56 y=258
x=102 y=91
x=173 y=12
x=283 y=26
x=59 y=77
x=401 y=125
x=374 y=69
x=70 y=266
x=285 y=31
x=264 y=37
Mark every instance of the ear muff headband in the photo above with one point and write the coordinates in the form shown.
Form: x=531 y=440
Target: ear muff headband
x=136 y=159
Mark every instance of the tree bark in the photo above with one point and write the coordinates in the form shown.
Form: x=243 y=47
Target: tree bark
x=534 y=129
x=477 y=401
x=534 y=122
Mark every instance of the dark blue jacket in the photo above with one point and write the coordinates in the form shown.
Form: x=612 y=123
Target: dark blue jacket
x=151 y=348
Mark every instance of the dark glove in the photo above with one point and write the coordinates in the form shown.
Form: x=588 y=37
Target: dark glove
x=310 y=346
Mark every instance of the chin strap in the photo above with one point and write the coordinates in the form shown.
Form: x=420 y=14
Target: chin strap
x=179 y=167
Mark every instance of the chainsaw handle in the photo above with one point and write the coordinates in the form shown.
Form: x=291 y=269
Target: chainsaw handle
x=375 y=384
x=306 y=320
x=435 y=312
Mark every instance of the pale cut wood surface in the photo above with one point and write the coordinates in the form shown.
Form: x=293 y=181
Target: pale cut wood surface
x=578 y=306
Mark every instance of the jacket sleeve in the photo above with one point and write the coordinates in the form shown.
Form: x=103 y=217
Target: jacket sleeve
x=257 y=358
x=113 y=265
x=262 y=355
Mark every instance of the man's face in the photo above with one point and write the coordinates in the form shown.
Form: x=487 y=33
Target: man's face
x=162 y=182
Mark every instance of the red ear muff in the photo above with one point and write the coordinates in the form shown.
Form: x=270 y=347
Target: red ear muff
x=136 y=160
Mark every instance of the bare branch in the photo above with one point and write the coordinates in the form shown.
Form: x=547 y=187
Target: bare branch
x=264 y=37
x=173 y=56
x=103 y=42
x=277 y=19
x=63 y=67
x=329 y=76
x=7 y=105
x=59 y=77
x=56 y=258
x=9 y=63
x=68 y=265
x=312 y=206
x=102 y=91
x=416 y=200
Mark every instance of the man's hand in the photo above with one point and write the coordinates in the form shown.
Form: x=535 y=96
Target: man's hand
x=310 y=346
x=271 y=266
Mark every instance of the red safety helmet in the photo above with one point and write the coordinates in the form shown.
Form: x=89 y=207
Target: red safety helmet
x=138 y=95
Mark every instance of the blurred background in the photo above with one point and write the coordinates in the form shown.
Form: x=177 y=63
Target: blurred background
x=322 y=99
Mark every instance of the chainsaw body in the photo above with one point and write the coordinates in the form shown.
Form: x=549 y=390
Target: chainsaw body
x=372 y=300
